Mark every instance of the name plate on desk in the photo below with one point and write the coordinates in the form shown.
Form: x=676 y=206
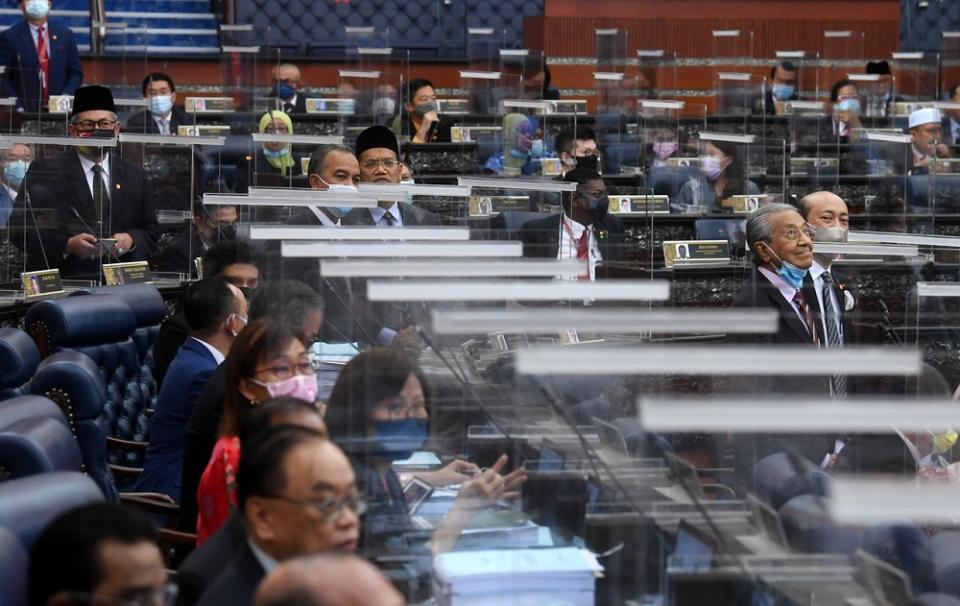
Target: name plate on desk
x=199 y=105
x=640 y=205
x=946 y=166
x=136 y=272
x=502 y=342
x=203 y=130
x=745 y=204
x=550 y=166
x=333 y=107
x=454 y=107
x=696 y=253
x=905 y=108
x=459 y=134
x=484 y=206
x=810 y=166
x=60 y=104
x=683 y=162
x=570 y=107
x=41 y=283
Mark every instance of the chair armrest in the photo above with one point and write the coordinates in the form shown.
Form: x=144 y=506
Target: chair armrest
x=172 y=537
x=125 y=472
x=721 y=489
x=151 y=502
x=126 y=444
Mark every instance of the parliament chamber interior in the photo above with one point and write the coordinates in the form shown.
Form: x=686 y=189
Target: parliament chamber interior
x=479 y=302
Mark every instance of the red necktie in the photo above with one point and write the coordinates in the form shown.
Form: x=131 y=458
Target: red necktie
x=44 y=57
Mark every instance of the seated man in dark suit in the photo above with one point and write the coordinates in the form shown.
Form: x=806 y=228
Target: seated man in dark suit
x=297 y=493
x=211 y=224
x=216 y=312
x=378 y=152
x=782 y=245
x=39 y=58
x=286 y=90
x=239 y=264
x=163 y=115
x=583 y=231
x=89 y=189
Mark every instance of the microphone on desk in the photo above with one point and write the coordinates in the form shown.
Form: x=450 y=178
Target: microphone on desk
x=107 y=249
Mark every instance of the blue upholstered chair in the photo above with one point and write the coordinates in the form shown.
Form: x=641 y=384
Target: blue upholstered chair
x=102 y=327
x=19 y=357
x=30 y=407
x=28 y=504
x=74 y=382
x=35 y=446
x=13 y=569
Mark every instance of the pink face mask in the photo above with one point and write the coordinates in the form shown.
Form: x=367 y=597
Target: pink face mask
x=664 y=149
x=302 y=387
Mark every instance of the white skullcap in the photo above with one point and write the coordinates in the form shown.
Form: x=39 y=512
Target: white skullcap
x=924 y=116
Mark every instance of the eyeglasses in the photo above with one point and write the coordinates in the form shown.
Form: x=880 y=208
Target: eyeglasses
x=793 y=233
x=165 y=595
x=388 y=164
x=87 y=125
x=398 y=409
x=273 y=130
x=331 y=508
x=285 y=371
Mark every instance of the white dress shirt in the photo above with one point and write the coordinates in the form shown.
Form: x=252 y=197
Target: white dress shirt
x=816 y=272
x=263 y=557
x=163 y=123
x=570 y=233
x=35 y=32
x=88 y=165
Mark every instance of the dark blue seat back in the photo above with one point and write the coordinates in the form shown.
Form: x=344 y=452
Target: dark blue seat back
x=13 y=569
x=102 y=326
x=28 y=504
x=148 y=309
x=30 y=407
x=37 y=445
x=512 y=220
x=19 y=357
x=73 y=381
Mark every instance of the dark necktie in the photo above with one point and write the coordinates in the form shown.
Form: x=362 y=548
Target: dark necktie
x=807 y=316
x=101 y=196
x=833 y=332
x=288 y=108
x=389 y=219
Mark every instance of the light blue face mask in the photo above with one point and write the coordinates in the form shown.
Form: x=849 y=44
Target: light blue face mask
x=15 y=171
x=788 y=271
x=37 y=9
x=783 y=92
x=848 y=105
x=276 y=154
x=161 y=105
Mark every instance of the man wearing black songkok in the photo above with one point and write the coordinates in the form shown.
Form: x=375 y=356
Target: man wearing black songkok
x=378 y=152
x=86 y=189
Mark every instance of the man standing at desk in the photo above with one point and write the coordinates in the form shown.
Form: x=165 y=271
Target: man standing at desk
x=89 y=189
x=584 y=231
x=39 y=58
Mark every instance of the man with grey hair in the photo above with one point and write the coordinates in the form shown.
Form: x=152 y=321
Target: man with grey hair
x=319 y=581
x=286 y=90
x=333 y=168
x=782 y=246
x=89 y=189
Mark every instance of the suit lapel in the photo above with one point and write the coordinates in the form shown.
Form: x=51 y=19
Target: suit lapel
x=787 y=311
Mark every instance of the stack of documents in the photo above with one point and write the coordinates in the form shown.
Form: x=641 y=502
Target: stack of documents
x=516 y=577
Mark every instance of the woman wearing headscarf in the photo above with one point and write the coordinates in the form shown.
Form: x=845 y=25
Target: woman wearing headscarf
x=271 y=157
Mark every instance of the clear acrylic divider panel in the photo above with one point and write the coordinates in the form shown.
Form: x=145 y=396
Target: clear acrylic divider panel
x=656 y=71
x=529 y=65
x=805 y=69
x=814 y=158
x=359 y=89
x=950 y=58
x=841 y=52
x=615 y=100
x=736 y=96
x=241 y=78
x=611 y=50
x=891 y=202
x=659 y=136
x=483 y=48
x=917 y=76
x=875 y=92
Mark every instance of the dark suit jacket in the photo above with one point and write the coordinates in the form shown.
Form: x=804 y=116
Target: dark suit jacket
x=299 y=106
x=173 y=332
x=541 y=237
x=142 y=121
x=760 y=293
x=200 y=438
x=411 y=215
x=237 y=583
x=205 y=563
x=18 y=54
x=179 y=253
x=58 y=183
x=187 y=376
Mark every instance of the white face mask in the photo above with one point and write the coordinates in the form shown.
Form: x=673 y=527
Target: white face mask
x=342 y=188
x=407 y=182
x=37 y=9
